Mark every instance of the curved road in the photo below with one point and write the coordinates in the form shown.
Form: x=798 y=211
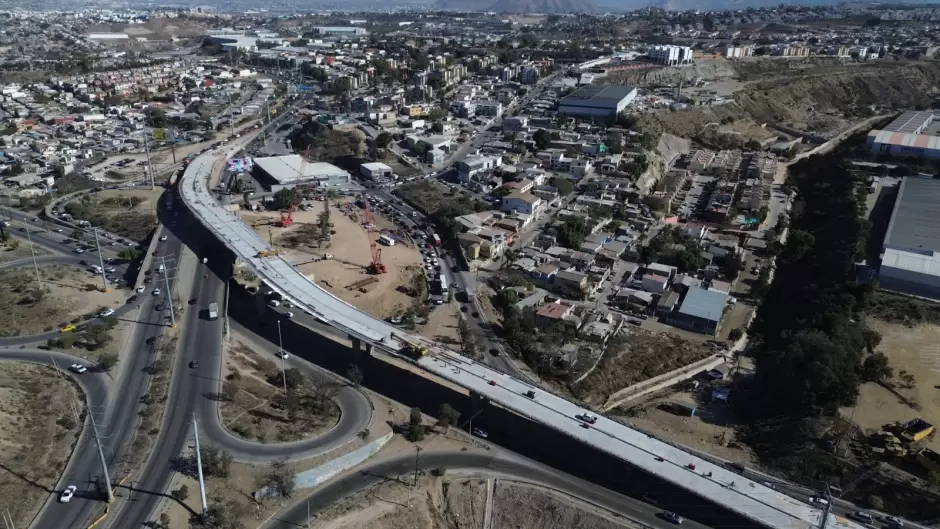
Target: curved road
x=509 y=468
x=82 y=462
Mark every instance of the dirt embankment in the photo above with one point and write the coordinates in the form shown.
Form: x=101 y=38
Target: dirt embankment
x=819 y=99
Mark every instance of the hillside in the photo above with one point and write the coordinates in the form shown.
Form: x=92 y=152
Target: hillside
x=519 y=6
x=818 y=99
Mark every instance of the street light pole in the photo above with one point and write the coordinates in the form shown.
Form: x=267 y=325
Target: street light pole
x=280 y=349
x=149 y=165
x=104 y=278
x=32 y=252
x=169 y=293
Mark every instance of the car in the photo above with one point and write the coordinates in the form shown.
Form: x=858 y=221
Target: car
x=494 y=351
x=78 y=368
x=475 y=314
x=105 y=313
x=282 y=354
x=818 y=500
x=274 y=303
x=58 y=230
x=893 y=522
x=140 y=289
x=193 y=364
x=162 y=238
x=288 y=314
x=463 y=308
x=492 y=382
x=863 y=517
x=67 y=494
x=156 y=292
x=586 y=417
x=480 y=433
x=287 y=304
x=670 y=516
x=78 y=250
x=110 y=270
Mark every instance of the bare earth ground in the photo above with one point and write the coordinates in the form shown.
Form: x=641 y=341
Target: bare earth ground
x=917 y=351
x=8 y=254
x=352 y=252
x=521 y=505
x=37 y=433
x=711 y=435
x=114 y=211
x=150 y=196
x=254 y=412
x=442 y=324
x=68 y=292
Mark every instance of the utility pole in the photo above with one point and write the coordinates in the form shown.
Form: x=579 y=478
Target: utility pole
x=149 y=165
x=169 y=293
x=104 y=278
x=32 y=252
x=231 y=113
x=280 y=352
x=417 y=455
x=202 y=482
x=104 y=463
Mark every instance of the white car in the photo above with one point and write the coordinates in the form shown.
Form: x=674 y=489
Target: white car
x=288 y=314
x=140 y=289
x=78 y=368
x=163 y=237
x=480 y=433
x=67 y=494
x=586 y=417
x=156 y=292
x=58 y=230
x=282 y=354
x=79 y=250
x=818 y=500
x=105 y=313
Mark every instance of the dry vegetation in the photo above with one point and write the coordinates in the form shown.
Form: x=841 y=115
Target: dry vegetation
x=16 y=249
x=519 y=505
x=639 y=356
x=254 y=404
x=129 y=214
x=903 y=310
x=37 y=435
x=69 y=295
x=431 y=197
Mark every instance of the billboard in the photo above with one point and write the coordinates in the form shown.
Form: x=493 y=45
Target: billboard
x=239 y=165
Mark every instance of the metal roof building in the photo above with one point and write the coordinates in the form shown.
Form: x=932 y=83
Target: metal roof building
x=701 y=311
x=597 y=101
x=910 y=260
x=910 y=134
x=286 y=172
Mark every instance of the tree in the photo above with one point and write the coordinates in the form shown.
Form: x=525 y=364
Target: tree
x=354 y=374
x=181 y=493
x=107 y=361
x=447 y=416
x=215 y=462
x=571 y=234
x=501 y=191
x=563 y=185
x=284 y=198
x=129 y=254
x=164 y=520
x=280 y=478
x=875 y=368
x=416 y=428
x=468 y=342
x=542 y=138
x=437 y=127
x=383 y=140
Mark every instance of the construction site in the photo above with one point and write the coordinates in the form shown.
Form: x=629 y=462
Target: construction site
x=362 y=258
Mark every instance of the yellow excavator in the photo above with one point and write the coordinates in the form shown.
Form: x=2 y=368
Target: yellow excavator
x=411 y=349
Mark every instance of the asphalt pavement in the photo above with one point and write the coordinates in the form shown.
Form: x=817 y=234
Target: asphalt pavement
x=505 y=466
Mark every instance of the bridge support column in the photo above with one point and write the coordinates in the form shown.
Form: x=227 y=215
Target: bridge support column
x=477 y=403
x=356 y=344
x=367 y=351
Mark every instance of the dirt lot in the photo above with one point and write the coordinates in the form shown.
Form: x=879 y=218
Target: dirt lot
x=19 y=250
x=128 y=213
x=442 y=324
x=257 y=410
x=915 y=351
x=711 y=430
x=385 y=295
x=641 y=356
x=37 y=436
x=68 y=293
x=431 y=196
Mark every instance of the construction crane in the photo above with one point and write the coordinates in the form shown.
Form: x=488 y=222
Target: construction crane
x=376 y=267
x=288 y=218
x=411 y=349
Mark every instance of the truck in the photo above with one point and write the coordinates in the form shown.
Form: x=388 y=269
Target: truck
x=213 y=311
x=436 y=239
x=411 y=349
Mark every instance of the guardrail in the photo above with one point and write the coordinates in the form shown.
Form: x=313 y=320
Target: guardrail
x=713 y=482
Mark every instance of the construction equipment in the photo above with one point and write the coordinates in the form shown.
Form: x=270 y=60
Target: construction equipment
x=288 y=218
x=376 y=267
x=269 y=253
x=411 y=349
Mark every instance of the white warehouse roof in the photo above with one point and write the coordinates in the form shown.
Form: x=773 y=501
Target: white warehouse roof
x=287 y=169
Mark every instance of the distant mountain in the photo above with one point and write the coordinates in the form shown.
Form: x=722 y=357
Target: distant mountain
x=519 y=6
x=684 y=5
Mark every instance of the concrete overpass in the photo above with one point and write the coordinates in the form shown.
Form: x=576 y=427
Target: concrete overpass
x=715 y=483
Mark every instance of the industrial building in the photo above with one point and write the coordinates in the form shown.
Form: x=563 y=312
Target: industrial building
x=670 y=55
x=597 y=101
x=701 y=311
x=910 y=257
x=287 y=172
x=913 y=133
x=340 y=31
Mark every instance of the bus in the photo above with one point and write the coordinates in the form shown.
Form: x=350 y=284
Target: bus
x=436 y=241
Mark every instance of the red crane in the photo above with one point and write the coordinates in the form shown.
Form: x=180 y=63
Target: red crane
x=376 y=267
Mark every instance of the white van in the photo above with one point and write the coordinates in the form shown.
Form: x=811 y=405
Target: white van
x=274 y=303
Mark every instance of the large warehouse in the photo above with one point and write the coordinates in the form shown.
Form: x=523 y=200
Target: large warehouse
x=597 y=101
x=287 y=172
x=910 y=260
x=913 y=133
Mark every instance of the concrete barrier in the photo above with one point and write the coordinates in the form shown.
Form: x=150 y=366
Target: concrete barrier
x=309 y=479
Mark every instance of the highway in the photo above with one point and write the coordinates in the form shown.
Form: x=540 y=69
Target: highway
x=716 y=483
x=501 y=465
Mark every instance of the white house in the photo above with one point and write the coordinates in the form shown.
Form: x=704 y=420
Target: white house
x=521 y=203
